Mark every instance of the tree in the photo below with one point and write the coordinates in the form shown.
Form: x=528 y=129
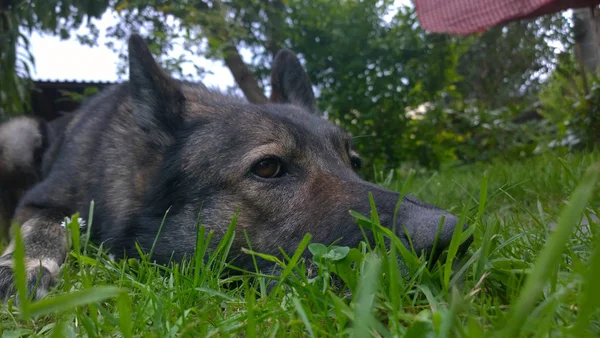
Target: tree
x=507 y=64
x=20 y=16
x=367 y=70
x=216 y=29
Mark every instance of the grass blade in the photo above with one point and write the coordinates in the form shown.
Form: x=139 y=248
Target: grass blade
x=293 y=262
x=124 y=307
x=19 y=271
x=482 y=196
x=303 y=316
x=70 y=300
x=549 y=258
x=365 y=298
x=589 y=297
x=455 y=243
x=162 y=223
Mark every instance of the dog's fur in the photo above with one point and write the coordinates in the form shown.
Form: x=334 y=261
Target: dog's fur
x=23 y=141
x=155 y=144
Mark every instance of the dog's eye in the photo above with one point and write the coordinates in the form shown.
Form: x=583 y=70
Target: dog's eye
x=356 y=162
x=268 y=168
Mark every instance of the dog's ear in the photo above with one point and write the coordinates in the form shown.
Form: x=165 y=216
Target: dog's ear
x=157 y=97
x=290 y=83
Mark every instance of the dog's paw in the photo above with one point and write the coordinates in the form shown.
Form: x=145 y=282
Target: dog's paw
x=40 y=278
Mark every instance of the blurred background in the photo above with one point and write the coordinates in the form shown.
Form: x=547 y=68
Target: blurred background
x=420 y=98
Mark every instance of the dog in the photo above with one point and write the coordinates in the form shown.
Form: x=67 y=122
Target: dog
x=156 y=146
x=23 y=141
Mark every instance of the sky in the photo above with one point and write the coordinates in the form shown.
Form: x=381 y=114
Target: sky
x=64 y=60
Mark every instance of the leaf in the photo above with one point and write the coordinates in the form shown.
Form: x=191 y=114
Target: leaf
x=303 y=316
x=317 y=249
x=16 y=333
x=420 y=329
x=337 y=253
x=333 y=254
x=64 y=302
x=344 y=267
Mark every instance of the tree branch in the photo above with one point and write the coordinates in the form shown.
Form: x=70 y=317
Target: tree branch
x=231 y=55
x=274 y=10
x=243 y=76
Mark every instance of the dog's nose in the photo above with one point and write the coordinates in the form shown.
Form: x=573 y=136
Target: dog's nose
x=430 y=229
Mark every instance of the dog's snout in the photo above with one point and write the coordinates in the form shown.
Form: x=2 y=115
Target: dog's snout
x=424 y=227
x=431 y=230
x=428 y=228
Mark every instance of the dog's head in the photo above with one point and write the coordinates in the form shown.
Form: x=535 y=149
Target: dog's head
x=281 y=166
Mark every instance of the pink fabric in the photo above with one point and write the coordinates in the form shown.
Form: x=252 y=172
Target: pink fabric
x=473 y=16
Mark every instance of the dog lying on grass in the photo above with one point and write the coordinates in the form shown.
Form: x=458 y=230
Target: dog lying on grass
x=154 y=144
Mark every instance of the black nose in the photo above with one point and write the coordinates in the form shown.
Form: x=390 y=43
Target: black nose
x=426 y=230
x=424 y=225
x=420 y=220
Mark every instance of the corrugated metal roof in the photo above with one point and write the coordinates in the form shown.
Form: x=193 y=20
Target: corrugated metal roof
x=79 y=81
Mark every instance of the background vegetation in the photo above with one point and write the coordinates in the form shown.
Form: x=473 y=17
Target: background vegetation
x=370 y=62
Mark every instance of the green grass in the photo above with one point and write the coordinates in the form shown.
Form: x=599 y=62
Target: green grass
x=519 y=278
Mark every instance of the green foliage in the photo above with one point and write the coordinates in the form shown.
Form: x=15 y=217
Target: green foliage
x=549 y=258
x=465 y=132
x=371 y=68
x=382 y=69
x=587 y=117
x=572 y=111
x=203 y=28
x=372 y=75
x=562 y=90
x=19 y=17
x=506 y=64
x=523 y=273
x=68 y=95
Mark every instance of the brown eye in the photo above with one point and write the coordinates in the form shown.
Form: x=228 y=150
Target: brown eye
x=268 y=168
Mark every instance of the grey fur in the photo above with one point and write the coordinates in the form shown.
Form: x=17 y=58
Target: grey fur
x=20 y=140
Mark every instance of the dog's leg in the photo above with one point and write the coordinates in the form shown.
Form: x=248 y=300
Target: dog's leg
x=45 y=243
x=23 y=141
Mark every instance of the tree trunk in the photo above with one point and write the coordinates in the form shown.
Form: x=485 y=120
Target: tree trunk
x=243 y=76
x=274 y=10
x=217 y=28
x=587 y=43
x=587 y=36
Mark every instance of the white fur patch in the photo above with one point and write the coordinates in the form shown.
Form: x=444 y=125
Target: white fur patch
x=68 y=220
x=49 y=264
x=19 y=138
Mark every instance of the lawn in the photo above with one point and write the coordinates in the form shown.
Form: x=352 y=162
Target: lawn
x=529 y=272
